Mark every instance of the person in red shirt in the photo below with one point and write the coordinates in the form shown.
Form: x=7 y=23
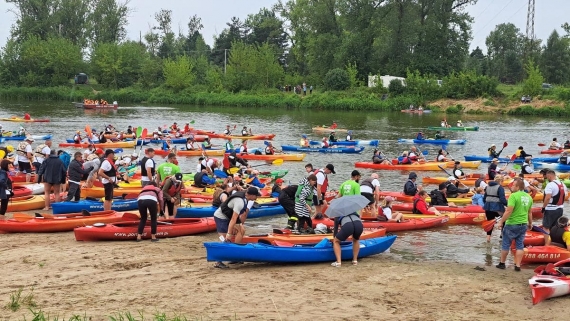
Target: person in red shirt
x=421 y=206
x=334 y=125
x=27 y=116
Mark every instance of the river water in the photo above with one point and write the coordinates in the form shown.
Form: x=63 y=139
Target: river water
x=455 y=243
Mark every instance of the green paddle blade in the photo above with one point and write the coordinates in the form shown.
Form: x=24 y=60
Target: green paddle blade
x=139 y=131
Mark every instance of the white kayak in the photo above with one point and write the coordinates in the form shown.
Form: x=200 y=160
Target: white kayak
x=37 y=189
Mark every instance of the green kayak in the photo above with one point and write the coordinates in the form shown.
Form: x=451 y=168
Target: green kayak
x=476 y=128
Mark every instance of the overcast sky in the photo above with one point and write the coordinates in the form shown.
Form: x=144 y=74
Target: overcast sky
x=215 y=14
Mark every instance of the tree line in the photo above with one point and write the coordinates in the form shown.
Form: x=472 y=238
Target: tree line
x=293 y=42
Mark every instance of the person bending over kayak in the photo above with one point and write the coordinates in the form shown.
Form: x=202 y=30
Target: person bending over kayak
x=277 y=187
x=420 y=205
x=378 y=158
x=559 y=234
x=171 y=190
x=411 y=188
x=453 y=190
x=287 y=200
x=202 y=179
x=370 y=188
x=351 y=225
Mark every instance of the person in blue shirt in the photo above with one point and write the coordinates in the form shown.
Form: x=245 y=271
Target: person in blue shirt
x=420 y=136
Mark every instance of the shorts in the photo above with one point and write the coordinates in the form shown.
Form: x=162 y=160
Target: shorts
x=25 y=167
x=108 y=191
x=145 y=183
x=516 y=233
x=316 y=201
x=551 y=217
x=370 y=197
x=221 y=225
x=354 y=229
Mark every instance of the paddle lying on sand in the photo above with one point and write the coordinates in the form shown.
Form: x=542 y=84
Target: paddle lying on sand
x=277 y=162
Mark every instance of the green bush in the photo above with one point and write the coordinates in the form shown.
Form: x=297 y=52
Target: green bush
x=337 y=79
x=469 y=85
x=490 y=103
x=396 y=87
x=453 y=110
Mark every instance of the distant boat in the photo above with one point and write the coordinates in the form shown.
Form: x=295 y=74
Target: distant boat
x=416 y=111
x=114 y=105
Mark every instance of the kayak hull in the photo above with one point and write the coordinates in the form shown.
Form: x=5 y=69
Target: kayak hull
x=343 y=150
x=22 y=120
x=35 y=137
x=72 y=207
x=554 y=166
x=487 y=159
x=321 y=252
x=399 y=196
x=544 y=254
x=405 y=225
x=454 y=217
x=306 y=238
x=411 y=167
x=285 y=157
x=26 y=203
x=126 y=231
x=550 y=281
x=552 y=151
x=62 y=223
x=374 y=142
x=252 y=137
x=100 y=192
x=433 y=141
x=208 y=211
x=459 y=129
x=123 y=144
x=329 y=130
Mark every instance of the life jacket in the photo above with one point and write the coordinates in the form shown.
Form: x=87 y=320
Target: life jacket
x=414 y=207
x=22 y=148
x=174 y=189
x=462 y=174
x=325 y=144
x=216 y=202
x=377 y=159
x=226 y=160
x=492 y=194
x=38 y=150
x=325 y=185
x=478 y=181
x=518 y=152
x=290 y=190
x=144 y=172
x=368 y=182
x=269 y=150
x=308 y=200
x=563 y=160
x=229 y=146
x=405 y=160
x=567 y=145
x=229 y=212
x=3 y=152
x=113 y=171
x=524 y=168
x=348 y=138
x=556 y=233
x=244 y=132
x=198 y=179
x=557 y=200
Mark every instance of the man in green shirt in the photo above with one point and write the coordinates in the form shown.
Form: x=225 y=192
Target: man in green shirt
x=168 y=169
x=517 y=218
x=350 y=187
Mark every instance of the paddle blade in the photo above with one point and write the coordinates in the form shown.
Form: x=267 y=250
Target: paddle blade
x=220 y=174
x=541 y=144
x=192 y=122
x=513 y=157
x=488 y=225
x=233 y=170
x=425 y=152
x=118 y=150
x=144 y=133
x=139 y=131
x=505 y=144
x=277 y=162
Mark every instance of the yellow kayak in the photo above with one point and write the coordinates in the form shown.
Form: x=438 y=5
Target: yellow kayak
x=22 y=120
x=465 y=164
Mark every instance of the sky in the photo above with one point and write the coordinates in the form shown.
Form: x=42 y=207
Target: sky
x=215 y=14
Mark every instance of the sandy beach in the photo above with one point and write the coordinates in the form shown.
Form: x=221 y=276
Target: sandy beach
x=172 y=276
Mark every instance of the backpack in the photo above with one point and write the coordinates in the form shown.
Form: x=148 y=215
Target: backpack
x=39 y=148
x=65 y=158
x=22 y=148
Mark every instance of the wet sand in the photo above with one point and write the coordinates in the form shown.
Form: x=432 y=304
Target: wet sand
x=172 y=276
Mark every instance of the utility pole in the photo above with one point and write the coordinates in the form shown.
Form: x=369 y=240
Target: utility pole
x=225 y=59
x=530 y=27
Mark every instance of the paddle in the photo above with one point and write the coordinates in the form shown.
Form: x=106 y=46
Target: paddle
x=220 y=174
x=505 y=144
x=143 y=134
x=488 y=225
x=89 y=132
x=277 y=162
x=118 y=150
x=453 y=176
x=541 y=144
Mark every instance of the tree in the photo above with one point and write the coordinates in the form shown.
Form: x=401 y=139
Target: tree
x=505 y=46
x=533 y=83
x=555 y=59
x=266 y=27
x=117 y=65
x=476 y=61
x=178 y=74
x=396 y=87
x=234 y=33
x=108 y=21
x=337 y=79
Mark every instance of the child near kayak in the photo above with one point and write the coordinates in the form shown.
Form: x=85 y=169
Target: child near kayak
x=477 y=199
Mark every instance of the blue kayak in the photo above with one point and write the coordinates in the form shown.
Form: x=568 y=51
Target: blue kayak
x=320 y=252
x=344 y=150
x=173 y=140
x=93 y=206
x=554 y=166
x=208 y=211
x=36 y=137
x=2 y=139
x=433 y=141
x=487 y=159
x=349 y=143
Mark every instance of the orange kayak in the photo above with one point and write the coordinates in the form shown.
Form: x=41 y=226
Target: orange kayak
x=285 y=157
x=469 y=181
x=252 y=137
x=100 y=192
x=411 y=167
x=544 y=254
x=405 y=225
x=454 y=217
x=306 y=238
x=23 y=223
x=26 y=203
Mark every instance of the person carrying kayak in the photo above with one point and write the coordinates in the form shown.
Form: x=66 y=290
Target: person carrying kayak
x=332 y=138
x=349 y=136
x=379 y=158
x=227 y=131
x=521 y=153
x=554 y=145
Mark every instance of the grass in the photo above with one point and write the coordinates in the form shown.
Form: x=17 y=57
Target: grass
x=118 y=316
x=17 y=300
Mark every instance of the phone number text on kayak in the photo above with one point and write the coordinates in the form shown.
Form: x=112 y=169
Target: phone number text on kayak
x=542 y=256
x=135 y=234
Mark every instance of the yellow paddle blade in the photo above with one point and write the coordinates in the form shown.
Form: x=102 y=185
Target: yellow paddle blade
x=233 y=170
x=277 y=162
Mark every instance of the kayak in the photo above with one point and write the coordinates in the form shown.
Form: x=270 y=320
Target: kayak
x=291 y=238
x=36 y=188
x=433 y=141
x=26 y=203
x=405 y=225
x=550 y=281
x=208 y=211
x=554 y=166
x=100 y=192
x=35 y=137
x=553 y=151
x=123 y=144
x=470 y=128
x=92 y=205
x=544 y=254
x=150 y=138
x=453 y=217
x=22 y=120
x=289 y=253
x=21 y=178
x=285 y=157
x=399 y=196
x=416 y=111
x=20 y=191
x=429 y=166
x=408 y=207
x=123 y=231
x=470 y=181
x=349 y=143
x=198 y=152
x=328 y=129
x=487 y=159
x=252 y=137
x=23 y=223
x=345 y=150
x=533 y=238
x=96 y=142
x=96 y=106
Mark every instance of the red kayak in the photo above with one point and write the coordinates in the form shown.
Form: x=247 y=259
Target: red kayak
x=20 y=191
x=405 y=225
x=550 y=281
x=533 y=238
x=408 y=207
x=123 y=231
x=552 y=151
x=544 y=254
x=21 y=178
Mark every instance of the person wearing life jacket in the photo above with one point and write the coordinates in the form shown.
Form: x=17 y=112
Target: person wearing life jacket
x=245 y=132
x=229 y=146
x=4 y=151
x=438 y=196
x=439 y=135
x=494 y=170
x=324 y=143
x=386 y=214
x=553 y=203
x=174 y=126
x=102 y=138
x=41 y=152
x=157 y=134
x=286 y=199
x=243 y=148
x=332 y=137
x=227 y=131
x=493 y=151
x=411 y=188
x=480 y=182
x=334 y=126
x=201 y=179
x=75 y=173
x=150 y=200
x=378 y=158
x=121 y=136
x=27 y=116
x=77 y=138
x=459 y=123
x=495 y=201
x=108 y=174
x=148 y=167
x=222 y=193
x=253 y=180
x=405 y=159
x=232 y=161
x=521 y=153
x=559 y=234
x=322 y=185
x=554 y=145
x=207 y=164
x=269 y=149
x=441 y=155
x=458 y=170
x=304 y=198
x=277 y=187
x=420 y=136
x=304 y=141
x=187 y=128
x=25 y=156
x=370 y=188
x=420 y=206
x=414 y=155
x=190 y=143
x=453 y=190
x=171 y=190
x=231 y=215
x=349 y=136
x=564 y=159
x=527 y=167
x=206 y=144
x=567 y=144
x=22 y=131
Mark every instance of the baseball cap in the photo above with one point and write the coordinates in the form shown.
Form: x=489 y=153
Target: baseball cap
x=388 y=199
x=330 y=167
x=253 y=191
x=279 y=180
x=135 y=155
x=451 y=178
x=355 y=173
x=99 y=151
x=178 y=177
x=109 y=152
x=412 y=175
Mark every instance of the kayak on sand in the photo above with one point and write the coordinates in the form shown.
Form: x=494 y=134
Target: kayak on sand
x=208 y=211
x=405 y=225
x=550 y=281
x=47 y=223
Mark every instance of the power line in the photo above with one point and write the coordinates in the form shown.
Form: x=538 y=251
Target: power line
x=508 y=19
x=493 y=18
